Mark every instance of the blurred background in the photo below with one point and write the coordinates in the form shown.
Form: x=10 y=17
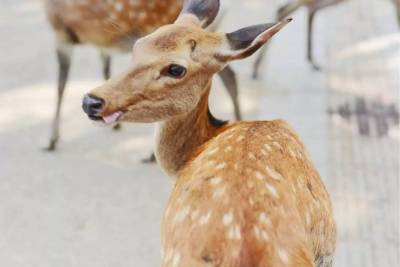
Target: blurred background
x=93 y=202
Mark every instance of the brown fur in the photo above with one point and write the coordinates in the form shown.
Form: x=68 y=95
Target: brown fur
x=108 y=23
x=246 y=194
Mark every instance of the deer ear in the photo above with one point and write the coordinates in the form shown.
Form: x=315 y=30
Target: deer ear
x=247 y=41
x=204 y=10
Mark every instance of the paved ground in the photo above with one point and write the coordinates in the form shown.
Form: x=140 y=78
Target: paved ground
x=92 y=203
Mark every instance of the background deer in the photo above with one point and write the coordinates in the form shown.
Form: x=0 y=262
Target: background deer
x=313 y=7
x=110 y=25
x=246 y=193
x=286 y=10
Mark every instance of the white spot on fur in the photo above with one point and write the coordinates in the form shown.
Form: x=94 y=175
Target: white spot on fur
x=234 y=233
x=205 y=218
x=228 y=218
x=219 y=192
x=317 y=203
x=251 y=201
x=269 y=137
x=291 y=153
x=181 y=215
x=272 y=190
x=263 y=218
x=264 y=152
x=212 y=151
x=236 y=166
x=259 y=175
x=168 y=256
x=176 y=259
x=283 y=255
x=215 y=181
x=142 y=15
x=118 y=6
x=268 y=147
x=162 y=253
x=229 y=136
x=220 y=166
x=238 y=234
x=209 y=164
x=273 y=173
x=228 y=149
x=277 y=145
x=308 y=219
x=194 y=215
x=252 y=156
x=264 y=235
x=299 y=154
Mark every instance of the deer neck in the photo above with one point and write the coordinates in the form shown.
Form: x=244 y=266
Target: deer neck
x=179 y=138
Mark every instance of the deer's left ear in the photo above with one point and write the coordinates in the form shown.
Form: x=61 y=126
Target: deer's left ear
x=247 y=41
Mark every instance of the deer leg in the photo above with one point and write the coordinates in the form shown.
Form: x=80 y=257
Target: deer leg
x=106 y=60
x=64 y=62
x=283 y=12
x=310 y=56
x=257 y=63
x=397 y=4
x=150 y=159
x=228 y=77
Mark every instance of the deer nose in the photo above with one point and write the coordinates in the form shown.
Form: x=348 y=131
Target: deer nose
x=92 y=105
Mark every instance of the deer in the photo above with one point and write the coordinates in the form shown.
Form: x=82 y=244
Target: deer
x=313 y=7
x=245 y=194
x=111 y=26
x=286 y=10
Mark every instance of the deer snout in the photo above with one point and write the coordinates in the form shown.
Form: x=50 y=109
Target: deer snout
x=92 y=105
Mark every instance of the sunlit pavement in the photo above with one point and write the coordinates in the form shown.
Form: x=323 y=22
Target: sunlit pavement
x=92 y=203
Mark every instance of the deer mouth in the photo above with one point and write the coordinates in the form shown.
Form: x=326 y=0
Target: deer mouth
x=109 y=119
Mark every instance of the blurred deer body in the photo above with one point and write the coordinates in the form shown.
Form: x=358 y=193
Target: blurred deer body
x=110 y=25
x=246 y=194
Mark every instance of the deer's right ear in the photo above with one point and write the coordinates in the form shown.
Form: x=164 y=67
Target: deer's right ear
x=204 y=12
x=247 y=41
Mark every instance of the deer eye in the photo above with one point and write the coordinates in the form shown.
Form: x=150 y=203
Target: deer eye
x=175 y=71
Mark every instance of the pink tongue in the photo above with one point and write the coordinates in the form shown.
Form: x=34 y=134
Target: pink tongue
x=112 y=118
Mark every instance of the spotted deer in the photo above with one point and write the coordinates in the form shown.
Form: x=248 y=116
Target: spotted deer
x=112 y=25
x=246 y=193
x=313 y=7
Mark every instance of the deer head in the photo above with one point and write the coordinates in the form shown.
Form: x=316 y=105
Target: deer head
x=172 y=67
